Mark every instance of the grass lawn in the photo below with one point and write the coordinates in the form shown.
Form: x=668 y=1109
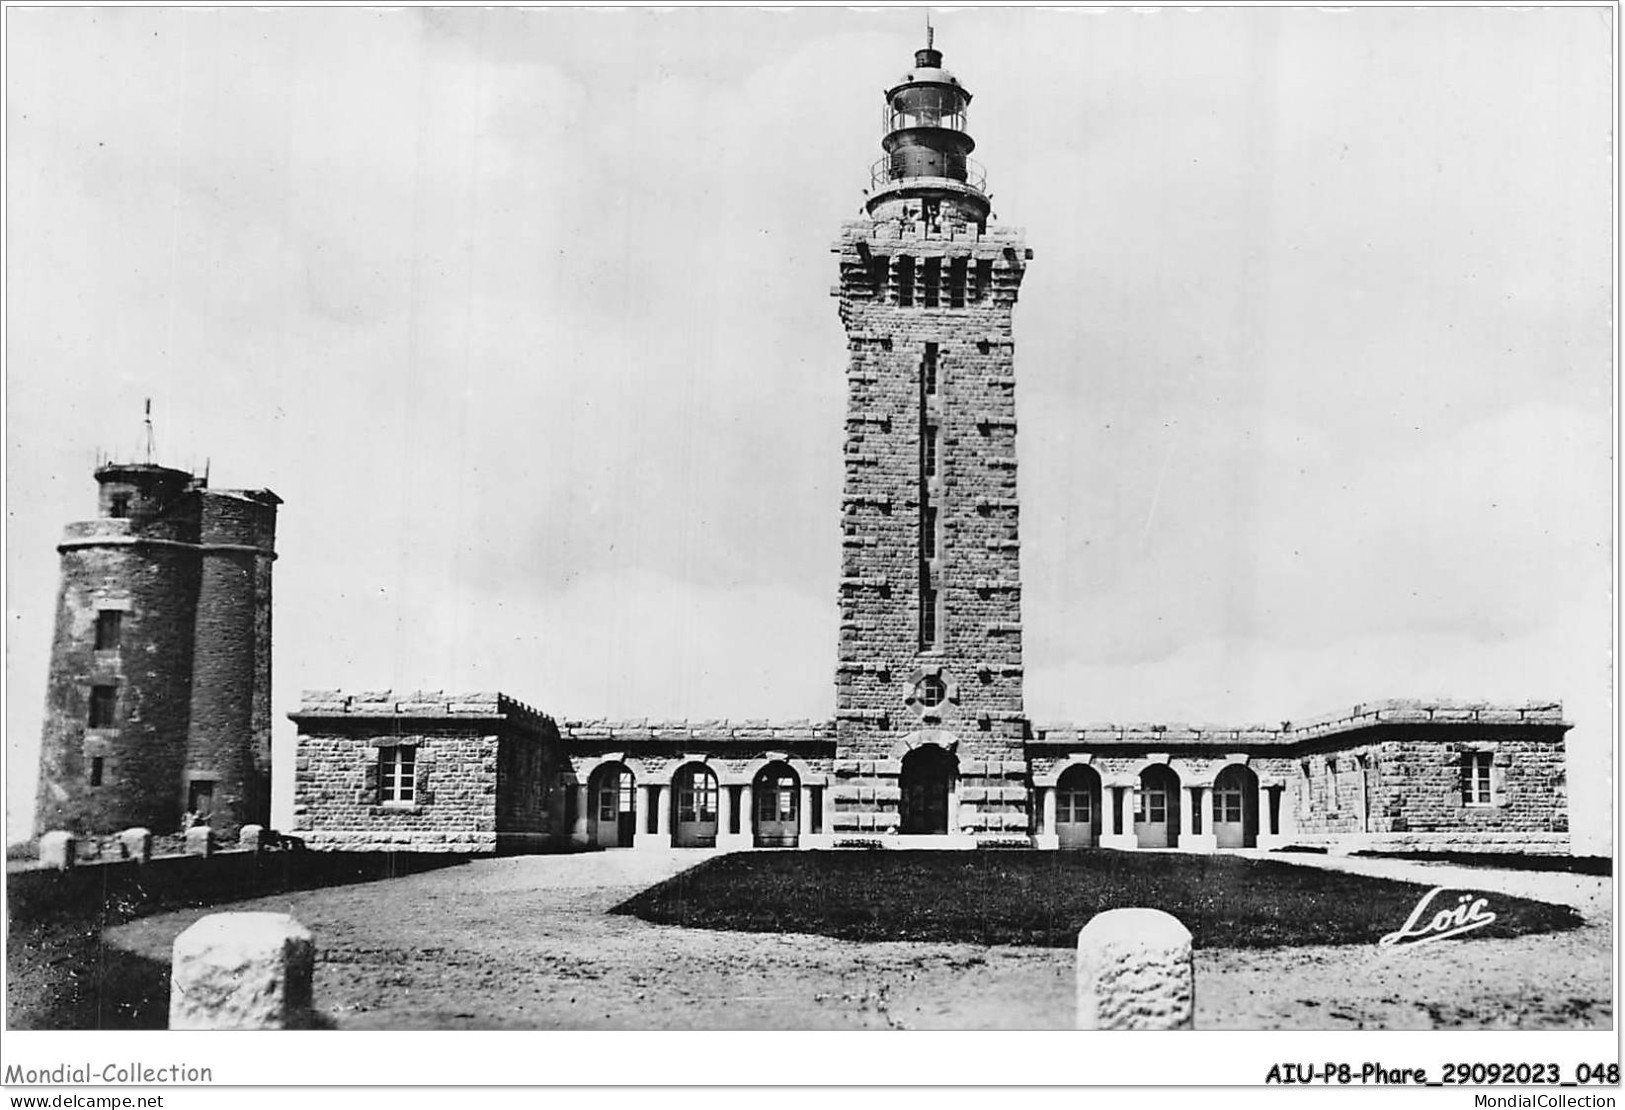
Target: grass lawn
x=1042 y=899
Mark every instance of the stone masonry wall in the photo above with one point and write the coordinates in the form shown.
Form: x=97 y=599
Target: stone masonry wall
x=188 y=569
x=974 y=493
x=222 y=741
x=336 y=803
x=528 y=762
x=143 y=755
x=1422 y=779
x=458 y=742
x=1389 y=772
x=1324 y=792
x=655 y=750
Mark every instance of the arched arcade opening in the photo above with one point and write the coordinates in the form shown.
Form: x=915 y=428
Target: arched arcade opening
x=1156 y=813
x=776 y=795
x=612 y=818
x=1077 y=808
x=695 y=804
x=1235 y=808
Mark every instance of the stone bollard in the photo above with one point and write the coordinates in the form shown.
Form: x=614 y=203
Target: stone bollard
x=136 y=844
x=242 y=971
x=200 y=841
x=1135 y=972
x=250 y=836
x=58 y=850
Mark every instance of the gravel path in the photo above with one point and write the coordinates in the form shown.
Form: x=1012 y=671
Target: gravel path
x=525 y=942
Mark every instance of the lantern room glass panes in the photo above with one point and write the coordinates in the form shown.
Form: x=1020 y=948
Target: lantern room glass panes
x=926 y=106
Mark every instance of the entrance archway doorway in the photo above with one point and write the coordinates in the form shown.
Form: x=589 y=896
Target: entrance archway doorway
x=696 y=803
x=927 y=780
x=612 y=797
x=1077 y=808
x=1235 y=808
x=1156 y=817
x=777 y=798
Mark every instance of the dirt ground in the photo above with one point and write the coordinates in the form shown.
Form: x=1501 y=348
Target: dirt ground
x=525 y=943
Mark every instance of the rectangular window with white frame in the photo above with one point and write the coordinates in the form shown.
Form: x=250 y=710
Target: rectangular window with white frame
x=1475 y=779
x=397 y=774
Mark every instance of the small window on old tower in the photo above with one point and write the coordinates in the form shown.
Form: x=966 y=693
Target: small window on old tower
x=108 y=622
x=956 y=283
x=933 y=282
x=928 y=370
x=118 y=505
x=103 y=706
x=96 y=765
x=905 y=280
x=984 y=278
x=879 y=267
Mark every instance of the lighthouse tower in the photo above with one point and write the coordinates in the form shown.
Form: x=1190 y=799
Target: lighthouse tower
x=930 y=722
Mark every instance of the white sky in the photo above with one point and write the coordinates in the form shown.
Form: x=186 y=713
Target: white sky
x=526 y=315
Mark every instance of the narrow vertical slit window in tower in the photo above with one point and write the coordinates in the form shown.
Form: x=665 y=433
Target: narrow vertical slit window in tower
x=905 y=280
x=929 y=625
x=933 y=282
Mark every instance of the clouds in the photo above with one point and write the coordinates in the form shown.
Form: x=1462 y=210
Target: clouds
x=526 y=315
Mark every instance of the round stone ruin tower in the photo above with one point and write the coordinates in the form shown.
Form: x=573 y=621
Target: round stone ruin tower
x=158 y=697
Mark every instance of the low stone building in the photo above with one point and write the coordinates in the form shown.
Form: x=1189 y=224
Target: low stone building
x=1397 y=775
x=929 y=744
x=425 y=773
x=480 y=772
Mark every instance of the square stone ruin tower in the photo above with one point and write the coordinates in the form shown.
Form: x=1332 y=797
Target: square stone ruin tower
x=929 y=715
